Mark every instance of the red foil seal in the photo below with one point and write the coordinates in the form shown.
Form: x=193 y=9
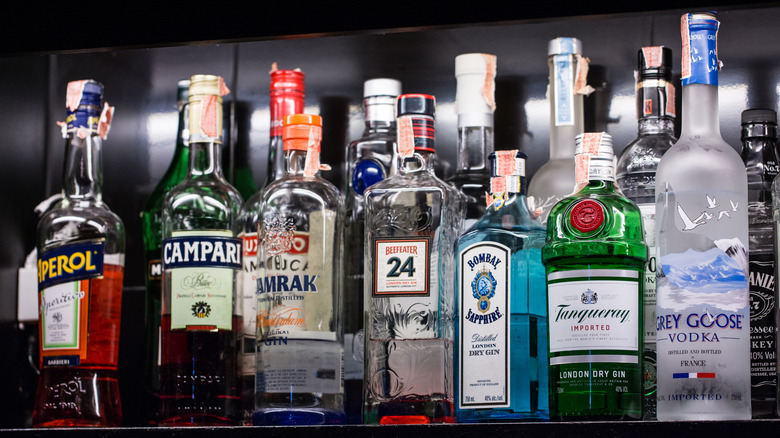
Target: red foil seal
x=587 y=215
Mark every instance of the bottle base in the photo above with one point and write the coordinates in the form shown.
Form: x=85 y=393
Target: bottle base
x=77 y=397
x=297 y=417
x=197 y=420
x=497 y=415
x=411 y=412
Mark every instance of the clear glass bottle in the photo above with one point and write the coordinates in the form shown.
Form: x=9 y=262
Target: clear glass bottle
x=760 y=155
x=201 y=313
x=702 y=315
x=299 y=378
x=475 y=102
x=501 y=319
x=369 y=160
x=412 y=221
x=151 y=222
x=635 y=175
x=595 y=262
x=286 y=94
x=568 y=71
x=81 y=257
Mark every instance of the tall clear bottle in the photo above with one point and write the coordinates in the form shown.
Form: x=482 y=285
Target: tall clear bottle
x=201 y=313
x=702 y=315
x=760 y=155
x=300 y=353
x=475 y=103
x=412 y=221
x=595 y=262
x=151 y=222
x=568 y=72
x=81 y=257
x=286 y=94
x=369 y=160
x=501 y=319
x=635 y=174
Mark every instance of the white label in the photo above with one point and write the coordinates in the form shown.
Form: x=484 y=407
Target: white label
x=300 y=366
x=61 y=306
x=484 y=326
x=401 y=266
x=593 y=309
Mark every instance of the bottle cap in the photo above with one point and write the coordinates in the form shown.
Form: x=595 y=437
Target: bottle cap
x=564 y=46
x=299 y=129
x=205 y=85
x=759 y=115
x=507 y=163
x=205 y=99
x=416 y=104
x=83 y=104
x=91 y=92
x=290 y=81
x=381 y=87
x=595 y=144
x=475 y=94
x=655 y=60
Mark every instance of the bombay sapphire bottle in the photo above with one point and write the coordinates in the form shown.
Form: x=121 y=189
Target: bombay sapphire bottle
x=81 y=257
x=299 y=378
x=760 y=155
x=412 y=221
x=635 y=175
x=201 y=315
x=702 y=241
x=475 y=103
x=595 y=262
x=369 y=160
x=501 y=319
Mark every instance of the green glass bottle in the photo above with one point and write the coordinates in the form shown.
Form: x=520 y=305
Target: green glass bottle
x=594 y=258
x=151 y=222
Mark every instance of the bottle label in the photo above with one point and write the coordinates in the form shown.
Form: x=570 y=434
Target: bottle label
x=300 y=365
x=587 y=215
x=593 y=309
x=700 y=62
x=763 y=330
x=202 y=266
x=64 y=275
x=564 y=92
x=484 y=286
x=401 y=266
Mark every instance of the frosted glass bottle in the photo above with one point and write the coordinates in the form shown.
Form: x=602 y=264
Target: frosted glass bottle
x=703 y=322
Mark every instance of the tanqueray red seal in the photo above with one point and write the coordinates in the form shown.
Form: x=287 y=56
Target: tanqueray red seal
x=587 y=215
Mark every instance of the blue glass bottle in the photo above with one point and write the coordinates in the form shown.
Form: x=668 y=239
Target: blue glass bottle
x=500 y=355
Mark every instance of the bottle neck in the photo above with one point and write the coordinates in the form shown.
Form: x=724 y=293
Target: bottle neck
x=650 y=126
x=421 y=161
x=475 y=143
x=205 y=159
x=763 y=131
x=83 y=172
x=282 y=104
x=380 y=114
x=295 y=162
x=700 y=111
x=566 y=106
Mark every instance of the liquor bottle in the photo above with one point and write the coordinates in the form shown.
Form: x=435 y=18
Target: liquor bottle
x=702 y=315
x=635 y=174
x=760 y=155
x=201 y=257
x=776 y=241
x=595 y=262
x=239 y=174
x=501 y=319
x=567 y=72
x=286 y=93
x=369 y=160
x=475 y=103
x=81 y=252
x=151 y=221
x=412 y=221
x=299 y=378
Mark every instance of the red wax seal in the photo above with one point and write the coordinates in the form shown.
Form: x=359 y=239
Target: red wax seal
x=587 y=215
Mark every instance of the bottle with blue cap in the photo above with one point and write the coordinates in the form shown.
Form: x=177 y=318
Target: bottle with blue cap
x=501 y=316
x=81 y=254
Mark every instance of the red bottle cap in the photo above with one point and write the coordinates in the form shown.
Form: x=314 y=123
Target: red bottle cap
x=587 y=215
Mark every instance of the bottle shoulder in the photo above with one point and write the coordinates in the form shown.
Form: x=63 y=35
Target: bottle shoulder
x=704 y=163
x=644 y=153
x=72 y=221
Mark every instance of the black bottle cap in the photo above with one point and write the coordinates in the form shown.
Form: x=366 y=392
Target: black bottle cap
x=655 y=60
x=759 y=115
x=422 y=104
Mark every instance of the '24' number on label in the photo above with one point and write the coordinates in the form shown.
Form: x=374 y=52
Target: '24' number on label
x=407 y=266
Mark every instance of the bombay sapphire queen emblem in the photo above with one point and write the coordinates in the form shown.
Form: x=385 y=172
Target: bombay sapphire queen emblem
x=483 y=288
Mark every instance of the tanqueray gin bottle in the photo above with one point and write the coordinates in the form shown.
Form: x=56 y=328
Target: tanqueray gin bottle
x=81 y=255
x=595 y=262
x=702 y=315
x=201 y=255
x=635 y=175
x=501 y=319
x=369 y=160
x=412 y=221
x=299 y=378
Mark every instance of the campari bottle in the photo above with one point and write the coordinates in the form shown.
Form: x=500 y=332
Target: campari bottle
x=81 y=252
x=201 y=255
x=501 y=319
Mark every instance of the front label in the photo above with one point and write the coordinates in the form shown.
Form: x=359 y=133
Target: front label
x=202 y=266
x=763 y=332
x=401 y=266
x=484 y=286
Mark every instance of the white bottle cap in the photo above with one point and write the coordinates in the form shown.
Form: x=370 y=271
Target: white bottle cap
x=564 y=46
x=382 y=87
x=475 y=94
